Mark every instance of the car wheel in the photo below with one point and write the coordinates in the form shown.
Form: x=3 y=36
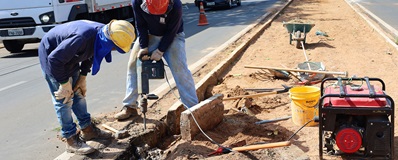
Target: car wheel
x=13 y=46
x=239 y=3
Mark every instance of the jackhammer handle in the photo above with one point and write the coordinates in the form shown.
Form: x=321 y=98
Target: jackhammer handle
x=152 y=96
x=262 y=146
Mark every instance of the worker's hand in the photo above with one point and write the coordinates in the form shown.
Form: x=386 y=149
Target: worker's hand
x=143 y=54
x=156 y=55
x=64 y=92
x=81 y=84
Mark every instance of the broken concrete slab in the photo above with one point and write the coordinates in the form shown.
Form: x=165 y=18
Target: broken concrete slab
x=208 y=114
x=212 y=78
x=173 y=117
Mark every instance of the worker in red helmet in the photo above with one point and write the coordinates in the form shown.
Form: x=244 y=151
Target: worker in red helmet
x=160 y=35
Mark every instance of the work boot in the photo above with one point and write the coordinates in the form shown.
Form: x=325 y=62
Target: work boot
x=75 y=145
x=92 y=132
x=126 y=112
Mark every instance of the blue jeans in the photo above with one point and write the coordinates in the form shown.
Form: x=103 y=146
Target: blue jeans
x=64 y=111
x=176 y=59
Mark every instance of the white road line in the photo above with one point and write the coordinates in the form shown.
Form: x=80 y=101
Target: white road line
x=13 y=85
x=191 y=21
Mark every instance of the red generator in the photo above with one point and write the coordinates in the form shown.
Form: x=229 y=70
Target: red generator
x=356 y=119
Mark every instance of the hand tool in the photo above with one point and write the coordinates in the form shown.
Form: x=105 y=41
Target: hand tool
x=293 y=75
x=273 y=120
x=297 y=70
x=220 y=150
x=223 y=150
x=147 y=69
x=259 y=94
x=262 y=146
x=118 y=134
x=262 y=89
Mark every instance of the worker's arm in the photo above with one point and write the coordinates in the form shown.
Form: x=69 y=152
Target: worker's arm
x=63 y=54
x=173 y=22
x=85 y=66
x=140 y=24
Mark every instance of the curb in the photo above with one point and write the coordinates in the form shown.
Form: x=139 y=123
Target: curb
x=370 y=18
x=207 y=80
x=212 y=77
x=154 y=135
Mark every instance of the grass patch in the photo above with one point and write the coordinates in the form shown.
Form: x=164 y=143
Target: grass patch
x=396 y=40
x=58 y=129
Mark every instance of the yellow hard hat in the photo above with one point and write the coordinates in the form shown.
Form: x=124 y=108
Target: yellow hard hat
x=122 y=34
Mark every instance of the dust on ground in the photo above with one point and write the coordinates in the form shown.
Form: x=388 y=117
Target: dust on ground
x=351 y=45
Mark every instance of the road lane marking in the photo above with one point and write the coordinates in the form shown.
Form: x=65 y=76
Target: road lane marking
x=13 y=85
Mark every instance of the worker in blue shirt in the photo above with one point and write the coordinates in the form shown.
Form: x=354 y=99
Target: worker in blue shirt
x=67 y=53
x=160 y=34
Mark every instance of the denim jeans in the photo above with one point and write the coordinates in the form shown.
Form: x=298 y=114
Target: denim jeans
x=64 y=111
x=176 y=59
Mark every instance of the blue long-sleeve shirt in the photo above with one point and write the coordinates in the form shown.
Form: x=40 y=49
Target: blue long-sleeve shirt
x=167 y=25
x=67 y=48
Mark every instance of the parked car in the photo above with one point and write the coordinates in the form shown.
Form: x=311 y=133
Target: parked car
x=217 y=3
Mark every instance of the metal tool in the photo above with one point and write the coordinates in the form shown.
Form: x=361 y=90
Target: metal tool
x=273 y=120
x=259 y=94
x=262 y=89
x=345 y=74
x=118 y=134
x=223 y=150
x=147 y=69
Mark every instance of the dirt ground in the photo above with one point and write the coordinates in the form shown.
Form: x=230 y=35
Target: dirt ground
x=351 y=45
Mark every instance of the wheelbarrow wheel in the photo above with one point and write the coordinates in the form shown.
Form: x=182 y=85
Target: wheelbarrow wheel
x=298 y=42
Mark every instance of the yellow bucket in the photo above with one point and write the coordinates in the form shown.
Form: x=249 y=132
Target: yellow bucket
x=304 y=104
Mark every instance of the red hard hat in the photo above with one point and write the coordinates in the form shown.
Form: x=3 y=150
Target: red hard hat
x=157 y=7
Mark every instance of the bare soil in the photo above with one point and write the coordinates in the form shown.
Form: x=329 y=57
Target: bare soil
x=351 y=45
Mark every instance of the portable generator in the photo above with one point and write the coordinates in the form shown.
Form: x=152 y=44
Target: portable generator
x=356 y=119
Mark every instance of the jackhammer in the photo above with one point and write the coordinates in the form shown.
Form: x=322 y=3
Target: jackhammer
x=147 y=69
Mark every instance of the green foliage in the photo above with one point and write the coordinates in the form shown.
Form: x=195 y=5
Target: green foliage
x=58 y=129
x=396 y=40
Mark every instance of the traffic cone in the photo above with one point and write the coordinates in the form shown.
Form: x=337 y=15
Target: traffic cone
x=202 y=16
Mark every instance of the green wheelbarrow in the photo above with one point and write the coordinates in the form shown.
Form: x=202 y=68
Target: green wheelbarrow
x=298 y=32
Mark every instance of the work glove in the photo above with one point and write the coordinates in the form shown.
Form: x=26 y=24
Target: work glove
x=143 y=54
x=81 y=84
x=65 y=91
x=157 y=55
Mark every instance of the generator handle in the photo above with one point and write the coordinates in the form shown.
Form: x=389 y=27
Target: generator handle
x=340 y=83
x=354 y=79
x=322 y=112
x=371 y=90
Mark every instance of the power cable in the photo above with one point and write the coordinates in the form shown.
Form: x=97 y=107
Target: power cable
x=193 y=117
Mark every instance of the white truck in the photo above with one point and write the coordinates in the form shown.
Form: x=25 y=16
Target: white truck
x=25 y=21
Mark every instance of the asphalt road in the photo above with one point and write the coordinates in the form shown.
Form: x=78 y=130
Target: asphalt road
x=387 y=10
x=29 y=124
